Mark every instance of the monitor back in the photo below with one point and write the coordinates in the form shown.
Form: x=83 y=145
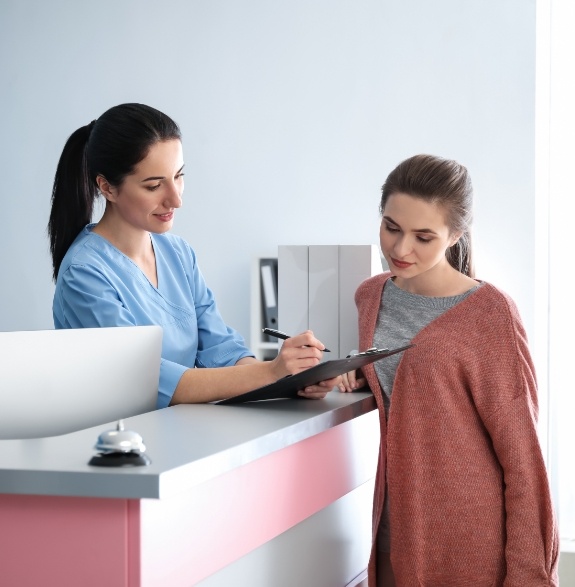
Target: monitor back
x=54 y=382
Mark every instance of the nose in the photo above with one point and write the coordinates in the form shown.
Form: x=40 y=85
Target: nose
x=402 y=246
x=174 y=195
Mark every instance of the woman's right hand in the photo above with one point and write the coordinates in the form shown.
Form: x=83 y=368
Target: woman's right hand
x=298 y=353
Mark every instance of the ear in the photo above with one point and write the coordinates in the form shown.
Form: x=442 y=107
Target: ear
x=106 y=188
x=455 y=237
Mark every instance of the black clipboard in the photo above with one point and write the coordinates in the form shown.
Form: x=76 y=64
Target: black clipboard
x=289 y=386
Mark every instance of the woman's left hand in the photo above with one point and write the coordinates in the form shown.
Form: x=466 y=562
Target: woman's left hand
x=321 y=389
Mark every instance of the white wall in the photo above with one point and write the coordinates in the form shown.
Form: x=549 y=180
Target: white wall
x=293 y=113
x=556 y=127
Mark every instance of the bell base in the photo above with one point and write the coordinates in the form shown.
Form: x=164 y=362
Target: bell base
x=120 y=459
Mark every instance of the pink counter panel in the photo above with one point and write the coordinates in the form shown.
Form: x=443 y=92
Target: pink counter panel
x=299 y=501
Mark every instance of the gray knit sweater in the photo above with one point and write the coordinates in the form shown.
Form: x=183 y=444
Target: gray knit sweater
x=401 y=316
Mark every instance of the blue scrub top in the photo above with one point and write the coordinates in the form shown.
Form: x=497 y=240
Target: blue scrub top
x=99 y=286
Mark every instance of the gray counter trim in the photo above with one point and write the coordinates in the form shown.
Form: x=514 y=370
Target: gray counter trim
x=188 y=445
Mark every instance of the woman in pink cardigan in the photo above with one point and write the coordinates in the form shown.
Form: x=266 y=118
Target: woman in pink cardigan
x=462 y=497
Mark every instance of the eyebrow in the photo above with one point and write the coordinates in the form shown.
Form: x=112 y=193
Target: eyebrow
x=156 y=178
x=423 y=230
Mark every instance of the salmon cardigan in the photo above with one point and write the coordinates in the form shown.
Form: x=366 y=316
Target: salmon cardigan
x=470 y=503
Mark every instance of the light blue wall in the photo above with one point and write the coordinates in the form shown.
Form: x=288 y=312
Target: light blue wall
x=293 y=113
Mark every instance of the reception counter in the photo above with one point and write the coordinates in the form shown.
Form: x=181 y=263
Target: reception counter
x=265 y=494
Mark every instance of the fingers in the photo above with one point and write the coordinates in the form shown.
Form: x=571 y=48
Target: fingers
x=351 y=381
x=296 y=359
x=313 y=392
x=347 y=382
x=321 y=389
x=305 y=339
x=298 y=353
x=331 y=383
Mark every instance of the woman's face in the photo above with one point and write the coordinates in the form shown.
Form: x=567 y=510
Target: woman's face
x=414 y=236
x=148 y=197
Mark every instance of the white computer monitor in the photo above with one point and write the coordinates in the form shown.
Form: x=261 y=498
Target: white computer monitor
x=54 y=382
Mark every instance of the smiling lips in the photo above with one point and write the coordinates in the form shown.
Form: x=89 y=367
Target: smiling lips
x=400 y=264
x=165 y=217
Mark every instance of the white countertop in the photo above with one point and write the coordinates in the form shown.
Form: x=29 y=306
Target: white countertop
x=187 y=444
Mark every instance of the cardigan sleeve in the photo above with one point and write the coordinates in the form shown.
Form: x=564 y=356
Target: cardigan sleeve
x=510 y=417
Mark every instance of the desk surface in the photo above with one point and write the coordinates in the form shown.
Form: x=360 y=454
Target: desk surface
x=187 y=444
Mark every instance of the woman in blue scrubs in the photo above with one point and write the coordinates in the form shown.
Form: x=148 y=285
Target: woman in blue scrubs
x=128 y=270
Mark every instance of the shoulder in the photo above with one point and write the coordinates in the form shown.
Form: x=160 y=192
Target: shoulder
x=86 y=249
x=489 y=297
x=492 y=312
x=170 y=240
x=175 y=243
x=372 y=286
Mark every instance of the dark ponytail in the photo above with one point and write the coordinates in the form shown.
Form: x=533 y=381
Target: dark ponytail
x=73 y=196
x=110 y=146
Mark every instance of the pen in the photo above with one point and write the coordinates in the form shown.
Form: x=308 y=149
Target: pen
x=282 y=335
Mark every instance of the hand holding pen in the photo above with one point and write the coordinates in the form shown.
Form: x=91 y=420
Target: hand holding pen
x=284 y=336
x=301 y=352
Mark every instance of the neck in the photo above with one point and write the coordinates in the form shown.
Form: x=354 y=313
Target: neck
x=438 y=282
x=134 y=243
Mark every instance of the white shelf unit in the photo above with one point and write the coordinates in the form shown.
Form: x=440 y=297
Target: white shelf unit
x=263 y=350
x=316 y=288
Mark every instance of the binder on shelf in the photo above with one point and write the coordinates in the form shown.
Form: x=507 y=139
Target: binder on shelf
x=269 y=294
x=293 y=288
x=356 y=263
x=323 y=295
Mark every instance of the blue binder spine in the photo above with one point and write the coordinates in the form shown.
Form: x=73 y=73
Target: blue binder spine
x=269 y=289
